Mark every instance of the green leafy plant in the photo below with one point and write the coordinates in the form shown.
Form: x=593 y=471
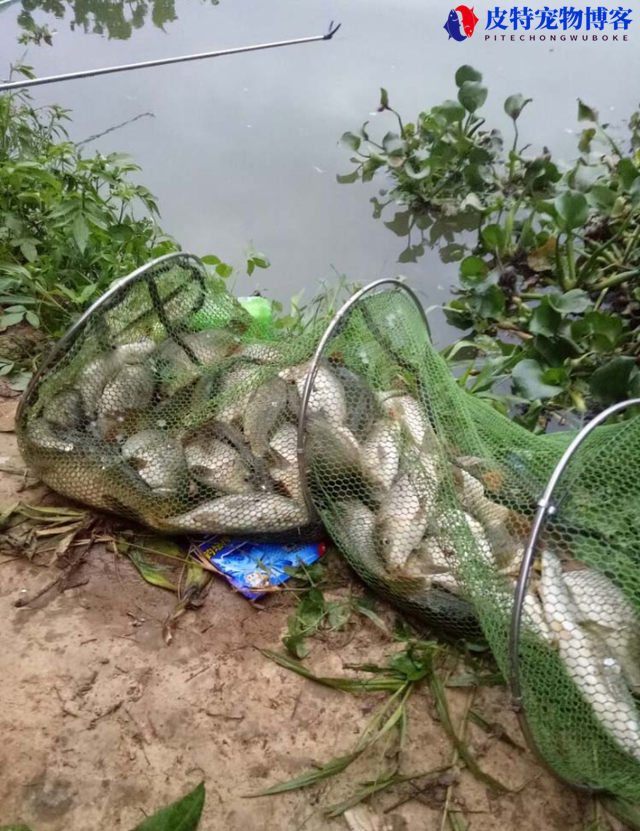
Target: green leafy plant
x=548 y=253
x=70 y=225
x=403 y=673
x=314 y=612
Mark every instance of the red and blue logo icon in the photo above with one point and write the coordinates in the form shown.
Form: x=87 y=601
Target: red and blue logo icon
x=461 y=23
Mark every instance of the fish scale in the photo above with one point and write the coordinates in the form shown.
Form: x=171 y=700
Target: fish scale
x=602 y=603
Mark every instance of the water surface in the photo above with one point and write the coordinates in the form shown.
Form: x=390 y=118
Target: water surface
x=242 y=151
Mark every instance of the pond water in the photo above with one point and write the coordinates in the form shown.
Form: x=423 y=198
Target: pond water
x=243 y=151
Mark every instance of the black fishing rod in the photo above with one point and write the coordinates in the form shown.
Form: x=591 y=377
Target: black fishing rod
x=199 y=56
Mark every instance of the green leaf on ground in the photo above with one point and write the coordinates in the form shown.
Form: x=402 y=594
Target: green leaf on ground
x=183 y=815
x=311 y=777
x=152 y=572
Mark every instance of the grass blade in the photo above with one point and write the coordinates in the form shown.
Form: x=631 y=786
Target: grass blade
x=7 y=513
x=351 y=685
x=73 y=527
x=153 y=574
x=494 y=729
x=457 y=821
x=58 y=513
x=442 y=706
x=370 y=788
x=311 y=777
x=373 y=617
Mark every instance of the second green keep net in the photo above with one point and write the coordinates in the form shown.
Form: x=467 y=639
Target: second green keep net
x=430 y=493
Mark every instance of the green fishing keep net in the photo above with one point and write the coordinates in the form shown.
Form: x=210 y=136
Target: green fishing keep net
x=171 y=405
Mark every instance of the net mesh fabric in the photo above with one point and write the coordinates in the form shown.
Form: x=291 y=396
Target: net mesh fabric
x=165 y=406
x=437 y=513
x=174 y=407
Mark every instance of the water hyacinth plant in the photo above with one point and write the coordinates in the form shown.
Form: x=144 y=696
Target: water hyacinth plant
x=549 y=289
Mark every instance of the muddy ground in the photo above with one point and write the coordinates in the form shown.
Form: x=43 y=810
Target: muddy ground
x=102 y=723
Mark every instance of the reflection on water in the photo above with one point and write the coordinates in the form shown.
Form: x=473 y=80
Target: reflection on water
x=427 y=229
x=117 y=20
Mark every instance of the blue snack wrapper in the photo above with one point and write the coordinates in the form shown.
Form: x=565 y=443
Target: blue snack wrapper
x=253 y=568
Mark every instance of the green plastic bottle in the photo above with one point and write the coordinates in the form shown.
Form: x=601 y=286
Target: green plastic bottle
x=260 y=309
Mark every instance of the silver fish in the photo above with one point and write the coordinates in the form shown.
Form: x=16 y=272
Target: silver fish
x=606 y=612
x=428 y=557
x=401 y=522
x=94 y=377
x=534 y=616
x=463 y=536
x=362 y=407
x=240 y=514
x=44 y=436
x=131 y=388
x=492 y=516
x=264 y=413
x=136 y=351
x=332 y=448
x=207 y=346
x=285 y=469
x=327 y=398
x=235 y=391
x=405 y=410
x=358 y=523
x=177 y=367
x=158 y=458
x=82 y=468
x=590 y=664
x=234 y=438
x=357 y=535
x=218 y=465
x=264 y=353
x=430 y=561
x=65 y=409
x=380 y=455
